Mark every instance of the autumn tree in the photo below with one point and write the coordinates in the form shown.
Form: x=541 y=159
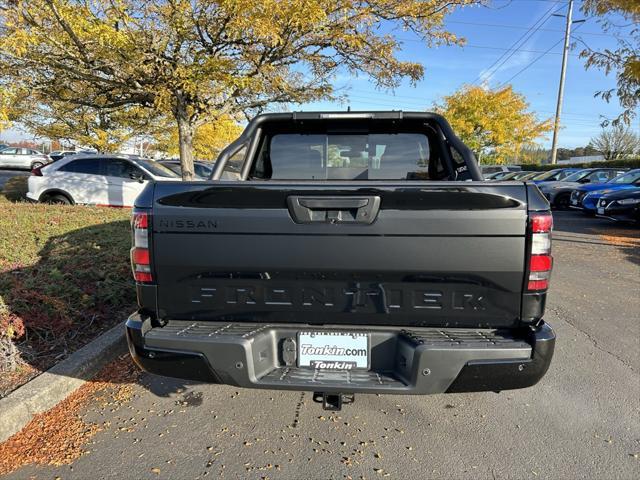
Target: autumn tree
x=533 y=154
x=104 y=129
x=622 y=19
x=209 y=138
x=199 y=60
x=616 y=142
x=8 y=110
x=493 y=123
x=4 y=111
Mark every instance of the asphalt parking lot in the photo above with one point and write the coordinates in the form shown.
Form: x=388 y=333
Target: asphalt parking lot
x=581 y=421
x=7 y=174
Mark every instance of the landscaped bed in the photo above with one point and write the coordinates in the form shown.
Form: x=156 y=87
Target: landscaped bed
x=64 y=279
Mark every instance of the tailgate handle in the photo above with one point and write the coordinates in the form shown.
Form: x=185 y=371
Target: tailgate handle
x=333 y=210
x=334 y=203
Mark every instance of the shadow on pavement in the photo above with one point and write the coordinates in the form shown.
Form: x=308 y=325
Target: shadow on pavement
x=167 y=387
x=80 y=288
x=15 y=189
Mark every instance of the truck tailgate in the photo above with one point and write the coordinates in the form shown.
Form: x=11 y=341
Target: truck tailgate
x=367 y=253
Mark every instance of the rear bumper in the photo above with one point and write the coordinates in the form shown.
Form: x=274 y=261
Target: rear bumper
x=419 y=361
x=33 y=184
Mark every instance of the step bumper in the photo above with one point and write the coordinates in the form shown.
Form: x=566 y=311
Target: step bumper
x=413 y=362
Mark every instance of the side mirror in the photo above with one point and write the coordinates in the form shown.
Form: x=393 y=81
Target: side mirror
x=136 y=176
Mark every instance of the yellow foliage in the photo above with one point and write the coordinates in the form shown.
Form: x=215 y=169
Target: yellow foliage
x=621 y=19
x=210 y=138
x=630 y=8
x=8 y=110
x=103 y=130
x=195 y=58
x=495 y=124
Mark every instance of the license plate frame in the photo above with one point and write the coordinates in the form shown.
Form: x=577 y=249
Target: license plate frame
x=331 y=358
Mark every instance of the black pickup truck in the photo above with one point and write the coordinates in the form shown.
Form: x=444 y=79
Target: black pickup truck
x=342 y=253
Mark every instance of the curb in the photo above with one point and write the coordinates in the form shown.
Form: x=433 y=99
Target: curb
x=54 y=385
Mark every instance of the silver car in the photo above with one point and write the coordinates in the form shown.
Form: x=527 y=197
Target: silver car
x=22 y=158
x=559 y=193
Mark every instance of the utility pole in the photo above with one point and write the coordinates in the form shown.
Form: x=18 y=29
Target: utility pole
x=563 y=71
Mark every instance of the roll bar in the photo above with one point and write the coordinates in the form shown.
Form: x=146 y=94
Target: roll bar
x=251 y=134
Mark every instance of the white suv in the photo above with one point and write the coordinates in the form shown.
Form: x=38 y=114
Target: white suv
x=24 y=158
x=109 y=180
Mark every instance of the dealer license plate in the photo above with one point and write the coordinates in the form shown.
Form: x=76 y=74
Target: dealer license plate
x=333 y=350
x=600 y=210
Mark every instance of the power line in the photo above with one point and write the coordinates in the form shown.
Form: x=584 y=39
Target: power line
x=530 y=64
x=392 y=99
x=575 y=122
x=524 y=27
x=368 y=100
x=519 y=43
x=486 y=47
x=518 y=50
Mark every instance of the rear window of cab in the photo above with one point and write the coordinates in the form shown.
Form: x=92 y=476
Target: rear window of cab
x=348 y=156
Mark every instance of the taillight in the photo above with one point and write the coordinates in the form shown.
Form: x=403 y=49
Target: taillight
x=37 y=172
x=540 y=260
x=541 y=223
x=140 y=257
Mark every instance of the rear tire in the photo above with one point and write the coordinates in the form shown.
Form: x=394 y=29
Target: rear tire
x=35 y=165
x=562 y=201
x=58 y=199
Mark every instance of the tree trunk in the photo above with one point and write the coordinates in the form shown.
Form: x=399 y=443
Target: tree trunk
x=185 y=140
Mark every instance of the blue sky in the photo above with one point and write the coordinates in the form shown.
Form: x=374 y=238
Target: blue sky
x=490 y=32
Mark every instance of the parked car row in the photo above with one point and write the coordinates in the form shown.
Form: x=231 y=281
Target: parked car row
x=102 y=179
x=490 y=170
x=202 y=170
x=607 y=192
x=559 y=192
x=116 y=180
x=58 y=154
x=96 y=179
x=22 y=158
x=28 y=159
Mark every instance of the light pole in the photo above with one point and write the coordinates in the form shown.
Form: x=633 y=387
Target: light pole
x=563 y=72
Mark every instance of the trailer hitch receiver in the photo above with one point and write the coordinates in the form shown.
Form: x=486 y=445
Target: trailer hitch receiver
x=333 y=401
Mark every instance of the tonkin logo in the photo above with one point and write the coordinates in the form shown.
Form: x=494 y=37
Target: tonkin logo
x=333 y=365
